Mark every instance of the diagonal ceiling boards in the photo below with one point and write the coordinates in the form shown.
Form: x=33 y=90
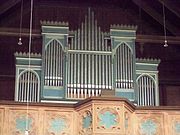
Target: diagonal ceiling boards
x=7 y=5
x=156 y=16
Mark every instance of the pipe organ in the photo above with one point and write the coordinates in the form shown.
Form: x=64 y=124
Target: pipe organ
x=82 y=63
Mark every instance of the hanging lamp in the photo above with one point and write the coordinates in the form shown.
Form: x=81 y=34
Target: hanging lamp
x=164 y=23
x=20 y=26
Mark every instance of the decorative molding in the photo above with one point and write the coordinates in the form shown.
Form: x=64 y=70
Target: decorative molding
x=54 y=23
x=24 y=54
x=148 y=60
x=123 y=27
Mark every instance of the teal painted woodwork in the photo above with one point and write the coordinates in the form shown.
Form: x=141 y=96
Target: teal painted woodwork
x=107 y=119
x=87 y=121
x=148 y=127
x=53 y=92
x=123 y=38
x=57 y=125
x=128 y=95
x=22 y=123
x=55 y=30
x=58 y=32
x=177 y=127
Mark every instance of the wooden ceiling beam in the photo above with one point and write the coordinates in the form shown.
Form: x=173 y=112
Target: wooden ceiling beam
x=7 y=5
x=155 y=15
x=171 y=6
x=155 y=39
x=36 y=33
x=14 y=32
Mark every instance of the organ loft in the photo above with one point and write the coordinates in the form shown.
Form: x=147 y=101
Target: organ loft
x=87 y=77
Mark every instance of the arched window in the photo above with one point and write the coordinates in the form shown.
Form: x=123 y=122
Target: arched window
x=28 y=87
x=146 y=90
x=54 y=64
x=124 y=67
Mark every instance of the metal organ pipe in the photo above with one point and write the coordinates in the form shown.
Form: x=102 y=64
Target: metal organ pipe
x=89 y=66
x=146 y=91
x=28 y=87
x=19 y=91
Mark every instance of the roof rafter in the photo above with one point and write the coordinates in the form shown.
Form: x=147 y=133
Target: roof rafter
x=36 y=33
x=7 y=5
x=158 y=17
x=169 y=4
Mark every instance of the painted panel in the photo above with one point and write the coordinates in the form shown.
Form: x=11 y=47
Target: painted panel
x=85 y=121
x=58 y=123
x=21 y=121
x=107 y=119
x=174 y=123
x=150 y=124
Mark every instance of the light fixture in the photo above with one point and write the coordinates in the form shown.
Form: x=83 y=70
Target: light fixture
x=164 y=23
x=20 y=26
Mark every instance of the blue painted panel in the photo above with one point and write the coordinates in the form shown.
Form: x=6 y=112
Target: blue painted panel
x=87 y=121
x=148 y=127
x=128 y=95
x=57 y=125
x=55 y=30
x=123 y=33
x=146 y=67
x=53 y=93
x=177 y=127
x=108 y=119
x=22 y=122
x=25 y=61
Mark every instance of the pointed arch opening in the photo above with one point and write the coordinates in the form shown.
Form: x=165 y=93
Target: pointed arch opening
x=54 y=55
x=124 y=67
x=146 y=90
x=28 y=87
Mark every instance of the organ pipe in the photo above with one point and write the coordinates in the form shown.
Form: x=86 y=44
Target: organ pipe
x=146 y=91
x=28 y=85
x=54 y=64
x=89 y=70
